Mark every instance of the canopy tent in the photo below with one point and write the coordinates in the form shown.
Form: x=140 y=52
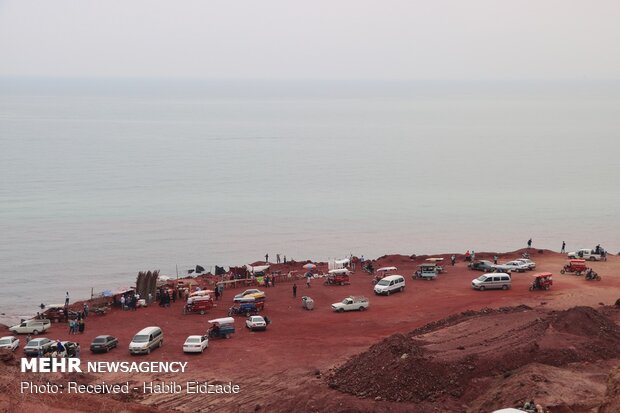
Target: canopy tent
x=309 y=266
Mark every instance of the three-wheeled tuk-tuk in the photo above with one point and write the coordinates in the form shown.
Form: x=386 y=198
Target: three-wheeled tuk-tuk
x=382 y=273
x=199 y=304
x=337 y=277
x=542 y=281
x=247 y=307
x=427 y=271
x=577 y=267
x=221 y=327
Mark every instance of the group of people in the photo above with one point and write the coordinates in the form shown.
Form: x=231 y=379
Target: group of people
x=77 y=325
x=129 y=301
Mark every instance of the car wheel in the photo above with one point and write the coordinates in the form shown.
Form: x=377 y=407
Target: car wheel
x=504 y=287
x=592 y=259
x=35 y=332
x=341 y=310
x=388 y=292
x=482 y=288
x=402 y=289
x=227 y=336
x=202 y=312
x=161 y=343
x=562 y=272
x=107 y=349
x=362 y=308
x=148 y=350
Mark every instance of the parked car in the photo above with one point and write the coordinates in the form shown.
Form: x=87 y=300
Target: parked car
x=517 y=266
x=531 y=264
x=390 y=284
x=502 y=268
x=9 y=342
x=491 y=281
x=482 y=265
x=31 y=327
x=38 y=346
x=145 y=340
x=351 y=303
x=257 y=322
x=253 y=292
x=103 y=344
x=195 y=344
x=586 y=254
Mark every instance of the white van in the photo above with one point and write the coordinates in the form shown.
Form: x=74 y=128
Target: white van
x=491 y=281
x=146 y=340
x=390 y=284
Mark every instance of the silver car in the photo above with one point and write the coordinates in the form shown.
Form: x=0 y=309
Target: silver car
x=492 y=281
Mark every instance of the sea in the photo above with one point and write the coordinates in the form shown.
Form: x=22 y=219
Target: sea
x=103 y=178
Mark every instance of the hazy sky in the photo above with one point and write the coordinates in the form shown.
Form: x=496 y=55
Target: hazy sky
x=317 y=39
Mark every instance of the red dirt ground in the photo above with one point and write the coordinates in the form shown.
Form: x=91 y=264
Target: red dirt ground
x=283 y=368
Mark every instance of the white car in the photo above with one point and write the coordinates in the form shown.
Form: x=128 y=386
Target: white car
x=195 y=344
x=351 y=303
x=256 y=322
x=586 y=254
x=31 y=327
x=517 y=266
x=10 y=342
x=531 y=264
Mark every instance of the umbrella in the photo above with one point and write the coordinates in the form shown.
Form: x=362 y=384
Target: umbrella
x=107 y=293
x=309 y=266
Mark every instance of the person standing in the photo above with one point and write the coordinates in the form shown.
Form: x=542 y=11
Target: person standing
x=285 y=259
x=85 y=310
x=495 y=259
x=273 y=280
x=217 y=293
x=277 y=258
x=563 y=250
x=453 y=259
x=67 y=299
x=77 y=350
x=294 y=290
x=123 y=302
x=81 y=325
x=529 y=243
x=266 y=258
x=308 y=282
x=473 y=255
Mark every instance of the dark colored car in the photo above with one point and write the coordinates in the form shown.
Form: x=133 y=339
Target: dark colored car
x=103 y=344
x=57 y=313
x=482 y=265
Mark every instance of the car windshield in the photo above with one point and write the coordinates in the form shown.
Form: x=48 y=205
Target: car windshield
x=193 y=340
x=482 y=278
x=99 y=340
x=383 y=282
x=6 y=341
x=140 y=339
x=34 y=343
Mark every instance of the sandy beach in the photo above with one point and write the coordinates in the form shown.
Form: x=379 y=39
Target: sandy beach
x=287 y=367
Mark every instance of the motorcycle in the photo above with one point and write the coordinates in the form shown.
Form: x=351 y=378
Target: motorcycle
x=592 y=276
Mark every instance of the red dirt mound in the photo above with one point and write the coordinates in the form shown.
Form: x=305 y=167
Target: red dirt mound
x=441 y=359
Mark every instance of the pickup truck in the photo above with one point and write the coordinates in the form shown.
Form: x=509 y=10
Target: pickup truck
x=586 y=254
x=351 y=303
x=31 y=327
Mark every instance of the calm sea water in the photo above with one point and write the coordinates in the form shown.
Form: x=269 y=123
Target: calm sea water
x=102 y=179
